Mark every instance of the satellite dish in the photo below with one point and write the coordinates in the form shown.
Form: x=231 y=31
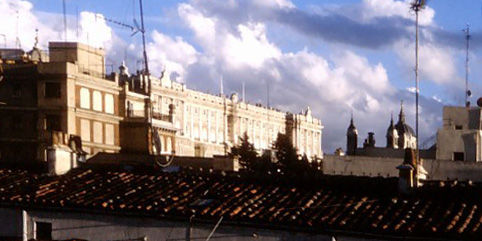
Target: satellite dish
x=479 y=102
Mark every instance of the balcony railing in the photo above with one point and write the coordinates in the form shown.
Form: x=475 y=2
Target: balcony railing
x=90 y=72
x=160 y=116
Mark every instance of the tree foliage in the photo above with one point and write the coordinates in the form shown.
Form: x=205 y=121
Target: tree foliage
x=246 y=153
x=286 y=162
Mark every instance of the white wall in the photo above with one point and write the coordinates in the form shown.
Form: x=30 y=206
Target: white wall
x=376 y=166
x=105 y=227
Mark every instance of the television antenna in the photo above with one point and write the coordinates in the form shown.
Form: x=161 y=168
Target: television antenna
x=417 y=6
x=468 y=93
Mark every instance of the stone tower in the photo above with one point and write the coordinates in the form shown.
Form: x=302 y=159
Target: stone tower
x=351 y=138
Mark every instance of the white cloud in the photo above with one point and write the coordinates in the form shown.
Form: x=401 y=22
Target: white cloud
x=251 y=48
x=19 y=21
x=93 y=29
x=172 y=55
x=436 y=63
x=276 y=3
x=393 y=8
x=331 y=86
x=238 y=47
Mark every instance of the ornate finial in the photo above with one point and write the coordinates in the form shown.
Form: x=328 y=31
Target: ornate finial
x=391 y=117
x=36 y=38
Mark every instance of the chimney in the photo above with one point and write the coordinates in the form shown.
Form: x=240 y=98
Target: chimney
x=370 y=141
x=407 y=176
x=64 y=153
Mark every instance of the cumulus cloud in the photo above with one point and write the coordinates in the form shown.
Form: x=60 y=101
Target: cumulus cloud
x=437 y=63
x=171 y=54
x=20 y=22
x=333 y=86
x=231 y=40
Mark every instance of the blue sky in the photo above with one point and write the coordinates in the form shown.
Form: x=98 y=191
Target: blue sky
x=336 y=56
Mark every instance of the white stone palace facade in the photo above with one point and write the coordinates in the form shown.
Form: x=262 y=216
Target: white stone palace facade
x=68 y=91
x=193 y=123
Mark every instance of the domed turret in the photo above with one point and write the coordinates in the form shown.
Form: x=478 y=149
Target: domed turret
x=123 y=70
x=392 y=135
x=406 y=135
x=351 y=138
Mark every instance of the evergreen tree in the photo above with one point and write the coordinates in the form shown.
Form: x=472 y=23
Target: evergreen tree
x=286 y=154
x=248 y=157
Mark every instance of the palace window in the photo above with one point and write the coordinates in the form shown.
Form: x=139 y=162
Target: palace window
x=109 y=134
x=97 y=101
x=109 y=103
x=84 y=98
x=98 y=133
x=85 y=129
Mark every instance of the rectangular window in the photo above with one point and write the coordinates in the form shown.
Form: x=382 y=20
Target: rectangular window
x=459 y=156
x=109 y=134
x=458 y=127
x=98 y=133
x=43 y=231
x=52 y=90
x=109 y=103
x=97 y=101
x=84 y=98
x=52 y=123
x=85 y=130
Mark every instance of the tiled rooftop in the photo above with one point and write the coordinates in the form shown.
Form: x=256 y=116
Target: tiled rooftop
x=361 y=205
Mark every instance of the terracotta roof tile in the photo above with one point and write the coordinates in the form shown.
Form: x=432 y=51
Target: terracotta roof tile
x=336 y=203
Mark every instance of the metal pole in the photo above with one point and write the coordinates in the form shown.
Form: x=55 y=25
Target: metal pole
x=65 y=20
x=144 y=50
x=467 y=36
x=214 y=229
x=417 y=9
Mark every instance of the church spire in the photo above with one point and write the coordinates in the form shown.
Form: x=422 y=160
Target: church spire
x=351 y=138
x=351 y=121
x=401 y=116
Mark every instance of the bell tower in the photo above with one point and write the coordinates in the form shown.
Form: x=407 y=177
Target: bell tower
x=351 y=138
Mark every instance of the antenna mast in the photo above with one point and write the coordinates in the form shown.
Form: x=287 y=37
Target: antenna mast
x=467 y=91
x=65 y=20
x=17 y=39
x=416 y=6
x=146 y=65
x=267 y=113
x=244 y=91
x=221 y=86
